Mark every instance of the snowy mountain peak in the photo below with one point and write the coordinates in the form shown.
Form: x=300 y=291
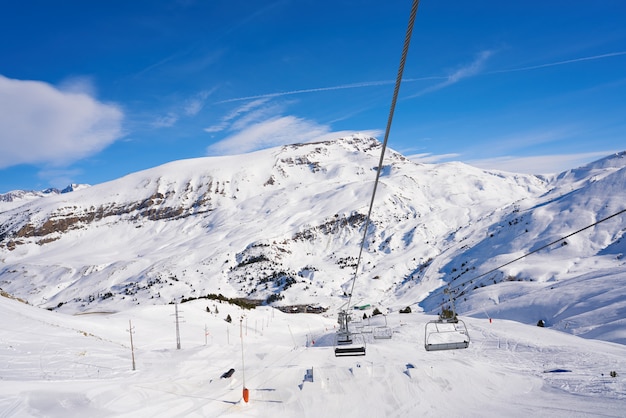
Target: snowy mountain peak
x=593 y=171
x=16 y=198
x=32 y=194
x=284 y=226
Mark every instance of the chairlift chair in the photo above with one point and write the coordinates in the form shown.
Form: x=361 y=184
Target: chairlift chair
x=447 y=332
x=383 y=332
x=346 y=342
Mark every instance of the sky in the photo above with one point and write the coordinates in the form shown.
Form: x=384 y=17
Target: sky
x=92 y=91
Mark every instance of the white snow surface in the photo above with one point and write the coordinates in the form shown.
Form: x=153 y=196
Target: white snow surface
x=287 y=223
x=56 y=365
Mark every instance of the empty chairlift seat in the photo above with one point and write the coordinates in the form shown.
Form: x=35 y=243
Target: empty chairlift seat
x=353 y=345
x=446 y=334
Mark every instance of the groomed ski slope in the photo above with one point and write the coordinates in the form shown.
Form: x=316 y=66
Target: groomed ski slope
x=56 y=365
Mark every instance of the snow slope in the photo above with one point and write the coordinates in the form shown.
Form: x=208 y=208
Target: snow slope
x=284 y=226
x=56 y=365
x=208 y=225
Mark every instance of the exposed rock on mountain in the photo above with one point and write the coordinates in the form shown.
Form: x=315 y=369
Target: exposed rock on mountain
x=284 y=225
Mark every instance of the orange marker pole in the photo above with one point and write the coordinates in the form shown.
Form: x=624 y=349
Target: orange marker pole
x=246 y=395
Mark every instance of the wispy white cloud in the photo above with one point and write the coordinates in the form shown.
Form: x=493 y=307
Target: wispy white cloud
x=474 y=68
x=194 y=105
x=40 y=123
x=477 y=66
x=538 y=164
x=190 y=107
x=248 y=107
x=512 y=153
x=259 y=114
x=271 y=132
x=218 y=127
x=261 y=123
x=281 y=130
x=165 y=121
x=532 y=138
x=432 y=158
x=229 y=118
x=535 y=164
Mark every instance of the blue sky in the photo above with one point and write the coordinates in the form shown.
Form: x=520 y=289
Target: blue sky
x=91 y=91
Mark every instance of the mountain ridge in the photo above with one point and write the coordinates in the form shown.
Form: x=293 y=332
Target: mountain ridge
x=283 y=226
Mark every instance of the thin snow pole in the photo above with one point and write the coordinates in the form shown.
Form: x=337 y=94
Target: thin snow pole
x=177 y=328
x=132 y=347
x=243 y=369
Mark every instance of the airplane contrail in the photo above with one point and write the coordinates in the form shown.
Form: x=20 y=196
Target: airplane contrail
x=449 y=80
x=318 y=89
x=553 y=64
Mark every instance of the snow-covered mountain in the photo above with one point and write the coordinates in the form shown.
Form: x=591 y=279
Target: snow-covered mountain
x=19 y=197
x=284 y=226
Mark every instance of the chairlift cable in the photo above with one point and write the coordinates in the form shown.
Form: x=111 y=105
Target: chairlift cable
x=456 y=338
x=537 y=250
x=405 y=49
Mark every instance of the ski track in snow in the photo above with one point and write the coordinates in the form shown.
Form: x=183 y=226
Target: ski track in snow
x=56 y=365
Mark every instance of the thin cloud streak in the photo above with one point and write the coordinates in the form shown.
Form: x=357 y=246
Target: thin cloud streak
x=472 y=69
x=166 y=121
x=272 y=132
x=524 y=140
x=428 y=158
x=535 y=164
x=468 y=71
x=554 y=64
x=189 y=108
x=194 y=105
x=538 y=164
x=232 y=117
x=458 y=75
x=331 y=88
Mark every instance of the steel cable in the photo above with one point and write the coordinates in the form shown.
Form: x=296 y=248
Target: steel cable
x=405 y=50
